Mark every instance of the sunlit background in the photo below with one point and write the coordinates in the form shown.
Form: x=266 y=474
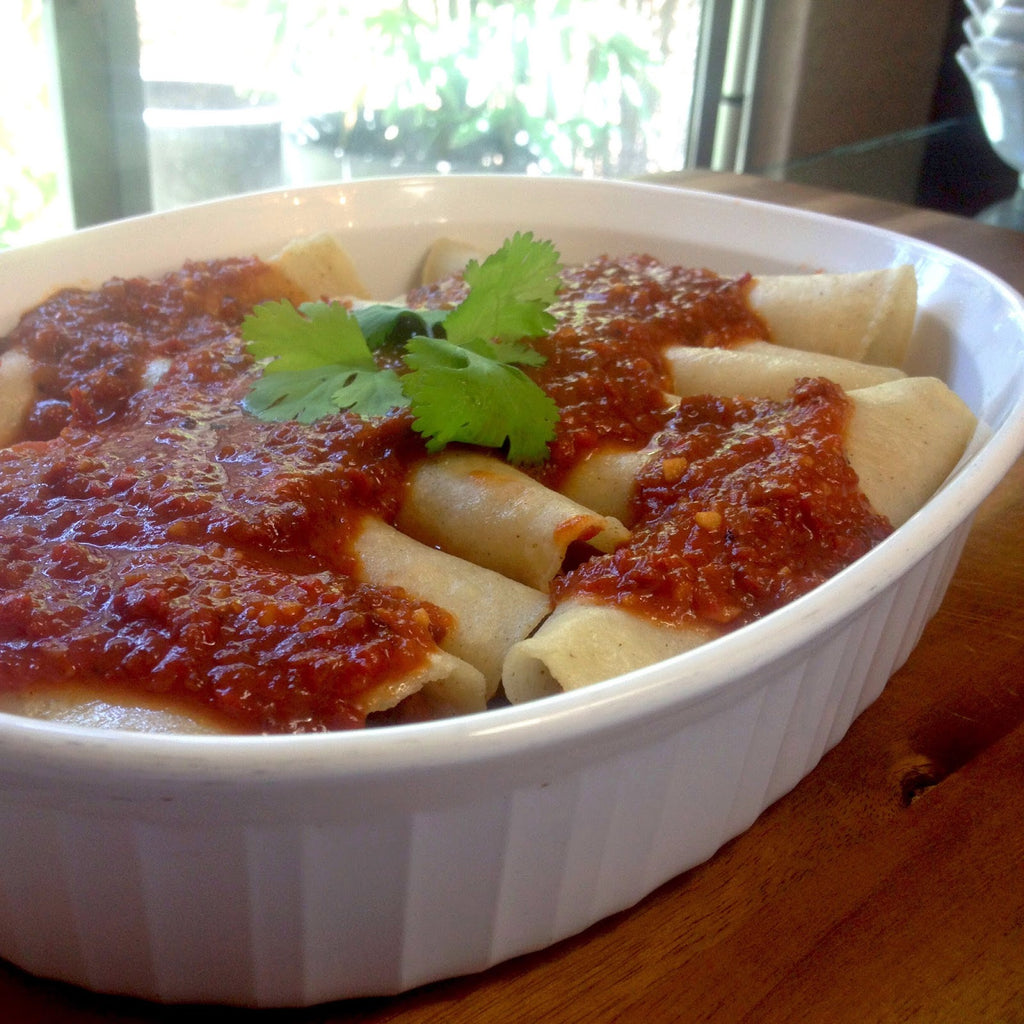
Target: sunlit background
x=248 y=94
x=110 y=108
x=30 y=144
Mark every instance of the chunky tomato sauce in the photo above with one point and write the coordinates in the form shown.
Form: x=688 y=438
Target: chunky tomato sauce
x=187 y=548
x=745 y=505
x=92 y=349
x=605 y=368
x=155 y=535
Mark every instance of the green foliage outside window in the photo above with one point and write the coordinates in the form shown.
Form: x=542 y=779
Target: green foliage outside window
x=563 y=86
x=29 y=156
x=524 y=86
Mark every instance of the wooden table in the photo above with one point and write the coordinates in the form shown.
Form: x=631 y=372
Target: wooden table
x=887 y=887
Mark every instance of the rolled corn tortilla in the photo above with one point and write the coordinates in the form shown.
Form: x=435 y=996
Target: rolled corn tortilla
x=321 y=261
x=867 y=316
x=488 y=512
x=604 y=480
x=491 y=612
x=130 y=712
x=582 y=643
x=761 y=369
x=446 y=257
x=755 y=369
x=905 y=436
x=17 y=394
x=321 y=267
x=444 y=685
x=903 y=439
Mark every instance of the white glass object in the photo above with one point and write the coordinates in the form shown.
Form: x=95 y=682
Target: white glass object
x=999 y=97
x=993 y=49
x=1000 y=19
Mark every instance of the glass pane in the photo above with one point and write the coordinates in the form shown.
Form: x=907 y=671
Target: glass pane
x=33 y=201
x=250 y=94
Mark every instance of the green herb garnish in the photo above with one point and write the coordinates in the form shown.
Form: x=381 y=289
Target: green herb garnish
x=462 y=379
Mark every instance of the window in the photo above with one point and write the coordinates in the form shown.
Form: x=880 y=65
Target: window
x=169 y=103
x=421 y=86
x=116 y=107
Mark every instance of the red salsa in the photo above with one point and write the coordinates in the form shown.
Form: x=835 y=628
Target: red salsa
x=605 y=368
x=155 y=535
x=745 y=505
x=185 y=547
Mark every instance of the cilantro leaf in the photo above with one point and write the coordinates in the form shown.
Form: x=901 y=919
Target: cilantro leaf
x=508 y=293
x=315 y=334
x=309 y=395
x=319 y=363
x=462 y=383
x=371 y=393
x=515 y=352
x=458 y=394
x=387 y=324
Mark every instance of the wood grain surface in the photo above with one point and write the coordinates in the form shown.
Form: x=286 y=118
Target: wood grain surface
x=887 y=887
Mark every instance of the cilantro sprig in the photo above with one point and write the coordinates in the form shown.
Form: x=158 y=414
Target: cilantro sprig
x=461 y=374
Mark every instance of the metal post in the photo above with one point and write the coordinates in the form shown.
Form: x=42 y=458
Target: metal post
x=99 y=98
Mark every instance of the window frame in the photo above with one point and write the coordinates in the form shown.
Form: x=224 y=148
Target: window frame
x=98 y=97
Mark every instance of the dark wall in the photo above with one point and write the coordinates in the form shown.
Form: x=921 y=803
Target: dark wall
x=961 y=173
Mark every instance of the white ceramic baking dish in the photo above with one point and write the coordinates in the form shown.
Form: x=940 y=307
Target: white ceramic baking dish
x=292 y=870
